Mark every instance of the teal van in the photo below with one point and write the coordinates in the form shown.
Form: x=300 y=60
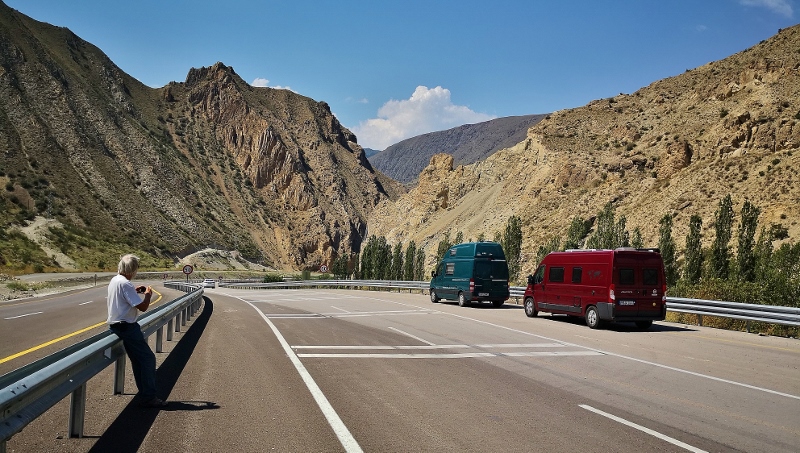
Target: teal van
x=473 y=271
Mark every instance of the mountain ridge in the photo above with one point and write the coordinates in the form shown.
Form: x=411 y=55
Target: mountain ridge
x=467 y=144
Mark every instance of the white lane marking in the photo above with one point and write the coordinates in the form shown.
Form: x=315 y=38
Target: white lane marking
x=26 y=314
x=464 y=355
x=657 y=434
x=412 y=336
x=432 y=346
x=342 y=433
x=340 y=309
x=646 y=362
x=84 y=303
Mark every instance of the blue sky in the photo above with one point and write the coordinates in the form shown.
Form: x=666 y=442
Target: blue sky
x=395 y=69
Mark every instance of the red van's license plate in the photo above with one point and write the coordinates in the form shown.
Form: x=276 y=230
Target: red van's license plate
x=627 y=302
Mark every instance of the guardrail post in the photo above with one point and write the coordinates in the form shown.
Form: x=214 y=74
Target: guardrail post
x=700 y=320
x=183 y=317
x=77 y=411
x=160 y=339
x=748 y=326
x=178 y=321
x=169 y=330
x=119 y=375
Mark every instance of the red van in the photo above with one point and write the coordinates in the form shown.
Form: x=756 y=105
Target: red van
x=625 y=284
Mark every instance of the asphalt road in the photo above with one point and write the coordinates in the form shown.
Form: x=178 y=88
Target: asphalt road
x=316 y=370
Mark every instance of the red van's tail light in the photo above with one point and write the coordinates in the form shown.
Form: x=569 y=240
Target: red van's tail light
x=611 y=296
x=664 y=293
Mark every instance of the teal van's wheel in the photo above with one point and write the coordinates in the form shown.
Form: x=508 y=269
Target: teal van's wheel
x=530 y=308
x=462 y=300
x=592 y=317
x=498 y=303
x=434 y=297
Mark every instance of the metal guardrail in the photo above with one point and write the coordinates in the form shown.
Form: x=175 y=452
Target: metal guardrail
x=734 y=310
x=29 y=391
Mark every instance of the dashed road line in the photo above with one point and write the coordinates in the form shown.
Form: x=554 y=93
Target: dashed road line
x=641 y=428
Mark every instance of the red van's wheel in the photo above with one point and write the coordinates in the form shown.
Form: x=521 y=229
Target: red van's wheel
x=462 y=300
x=592 y=317
x=434 y=297
x=530 y=307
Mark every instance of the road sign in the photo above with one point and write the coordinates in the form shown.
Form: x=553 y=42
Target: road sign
x=323 y=268
x=188 y=269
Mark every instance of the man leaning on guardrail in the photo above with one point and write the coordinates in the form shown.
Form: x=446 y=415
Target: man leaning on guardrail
x=123 y=308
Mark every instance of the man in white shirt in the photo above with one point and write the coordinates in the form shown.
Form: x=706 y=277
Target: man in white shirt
x=123 y=307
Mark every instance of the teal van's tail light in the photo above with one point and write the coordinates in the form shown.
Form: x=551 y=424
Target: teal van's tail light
x=471 y=287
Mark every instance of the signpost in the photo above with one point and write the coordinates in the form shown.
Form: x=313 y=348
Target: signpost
x=188 y=269
x=323 y=268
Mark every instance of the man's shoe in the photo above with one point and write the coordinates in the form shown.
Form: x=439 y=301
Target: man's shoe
x=153 y=402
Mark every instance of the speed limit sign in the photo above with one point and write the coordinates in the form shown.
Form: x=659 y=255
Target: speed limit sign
x=323 y=268
x=188 y=269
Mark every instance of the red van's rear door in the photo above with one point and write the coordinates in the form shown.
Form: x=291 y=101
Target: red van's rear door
x=638 y=285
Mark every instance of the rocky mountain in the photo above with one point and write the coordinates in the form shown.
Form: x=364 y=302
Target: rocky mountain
x=467 y=144
x=369 y=152
x=677 y=146
x=211 y=161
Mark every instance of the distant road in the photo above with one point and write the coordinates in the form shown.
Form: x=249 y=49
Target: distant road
x=335 y=370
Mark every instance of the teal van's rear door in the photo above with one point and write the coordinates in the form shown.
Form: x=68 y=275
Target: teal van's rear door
x=491 y=279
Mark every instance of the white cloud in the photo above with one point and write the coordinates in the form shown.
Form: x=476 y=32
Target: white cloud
x=783 y=7
x=427 y=110
x=700 y=28
x=262 y=82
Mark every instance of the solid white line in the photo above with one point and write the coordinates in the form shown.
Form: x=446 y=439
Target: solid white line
x=27 y=314
x=340 y=309
x=433 y=346
x=464 y=355
x=86 y=303
x=413 y=336
x=345 y=437
x=643 y=429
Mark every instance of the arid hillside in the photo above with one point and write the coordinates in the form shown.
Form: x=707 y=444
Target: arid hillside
x=208 y=162
x=677 y=146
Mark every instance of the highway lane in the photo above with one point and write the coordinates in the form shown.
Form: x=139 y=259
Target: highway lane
x=315 y=370
x=470 y=373
x=34 y=327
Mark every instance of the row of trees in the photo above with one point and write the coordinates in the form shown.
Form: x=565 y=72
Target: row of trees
x=381 y=261
x=754 y=272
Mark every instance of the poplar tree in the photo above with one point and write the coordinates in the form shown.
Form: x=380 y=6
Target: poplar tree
x=512 y=245
x=720 y=251
x=397 y=262
x=745 y=254
x=408 y=265
x=444 y=245
x=636 y=239
x=576 y=234
x=694 y=252
x=667 y=247
x=459 y=238
x=419 y=265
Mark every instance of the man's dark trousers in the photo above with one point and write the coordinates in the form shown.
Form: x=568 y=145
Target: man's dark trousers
x=143 y=361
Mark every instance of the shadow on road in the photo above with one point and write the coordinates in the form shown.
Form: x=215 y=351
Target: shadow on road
x=130 y=428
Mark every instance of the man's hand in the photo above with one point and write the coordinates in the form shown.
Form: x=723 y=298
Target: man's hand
x=141 y=289
x=148 y=291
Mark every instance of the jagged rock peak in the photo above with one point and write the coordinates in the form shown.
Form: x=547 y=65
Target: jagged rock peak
x=196 y=75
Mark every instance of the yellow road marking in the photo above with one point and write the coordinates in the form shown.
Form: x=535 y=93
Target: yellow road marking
x=43 y=345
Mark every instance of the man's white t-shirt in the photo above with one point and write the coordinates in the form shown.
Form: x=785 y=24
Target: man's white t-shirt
x=122 y=300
